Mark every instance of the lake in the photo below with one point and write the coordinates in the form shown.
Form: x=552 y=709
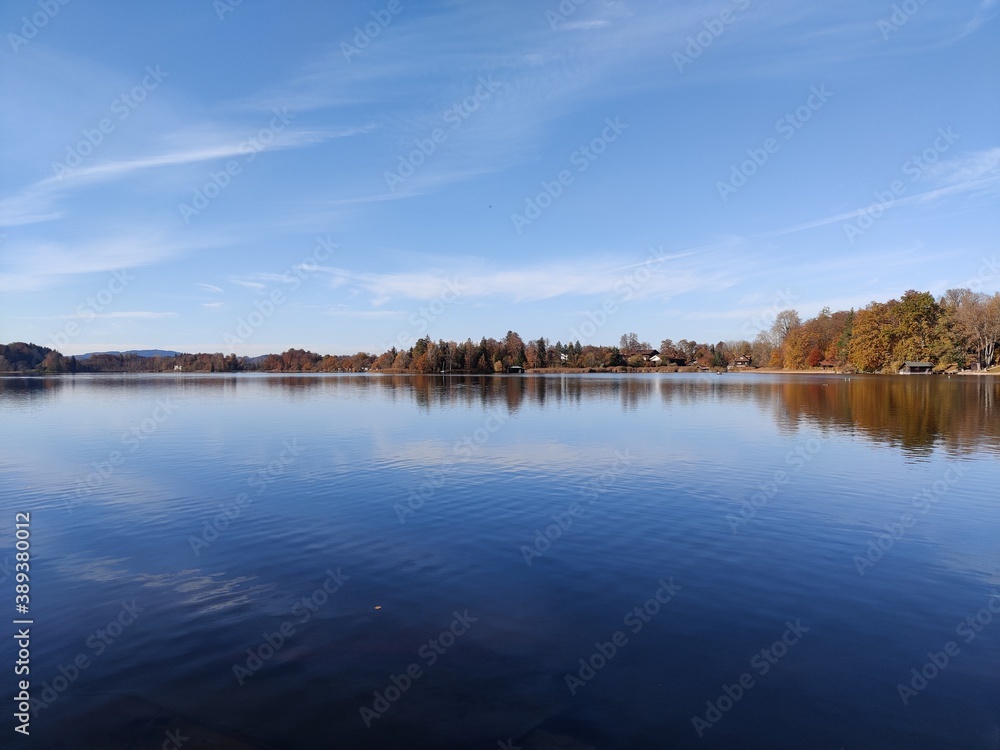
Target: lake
x=606 y=561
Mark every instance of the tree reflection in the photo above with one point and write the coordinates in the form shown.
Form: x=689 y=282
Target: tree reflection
x=917 y=413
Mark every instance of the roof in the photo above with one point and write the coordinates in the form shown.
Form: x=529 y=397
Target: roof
x=917 y=364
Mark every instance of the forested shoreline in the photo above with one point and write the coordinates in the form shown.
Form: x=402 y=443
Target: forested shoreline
x=957 y=331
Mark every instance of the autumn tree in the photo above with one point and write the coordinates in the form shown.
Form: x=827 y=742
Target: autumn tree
x=688 y=349
x=916 y=318
x=873 y=336
x=536 y=353
x=740 y=348
x=668 y=349
x=553 y=354
x=795 y=348
x=785 y=322
x=613 y=357
x=403 y=360
x=53 y=362
x=839 y=347
x=420 y=346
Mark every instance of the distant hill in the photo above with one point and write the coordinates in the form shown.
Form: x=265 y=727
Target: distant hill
x=136 y=352
x=21 y=356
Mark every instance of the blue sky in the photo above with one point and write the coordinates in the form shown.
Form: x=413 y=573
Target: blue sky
x=254 y=176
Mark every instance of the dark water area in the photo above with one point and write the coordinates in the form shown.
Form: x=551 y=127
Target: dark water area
x=606 y=561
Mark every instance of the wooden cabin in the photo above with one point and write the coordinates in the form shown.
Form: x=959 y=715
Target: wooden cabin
x=916 y=368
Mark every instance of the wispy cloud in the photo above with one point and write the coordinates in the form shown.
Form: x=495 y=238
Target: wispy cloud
x=969 y=173
x=585 y=278
x=33 y=265
x=985 y=13
x=347 y=313
x=124 y=314
x=38 y=202
x=968 y=169
x=248 y=284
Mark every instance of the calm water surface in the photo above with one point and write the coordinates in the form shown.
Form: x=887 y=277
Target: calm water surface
x=278 y=562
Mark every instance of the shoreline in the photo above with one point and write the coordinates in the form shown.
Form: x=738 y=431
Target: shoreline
x=619 y=370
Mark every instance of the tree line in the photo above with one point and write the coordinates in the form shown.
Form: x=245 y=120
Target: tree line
x=959 y=330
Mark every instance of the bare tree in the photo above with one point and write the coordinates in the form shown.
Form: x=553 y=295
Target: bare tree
x=977 y=321
x=784 y=322
x=629 y=343
x=761 y=350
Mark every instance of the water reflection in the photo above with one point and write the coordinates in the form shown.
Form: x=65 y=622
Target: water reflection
x=915 y=414
x=698 y=445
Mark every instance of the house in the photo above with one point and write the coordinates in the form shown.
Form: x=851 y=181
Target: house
x=647 y=355
x=741 y=361
x=827 y=364
x=178 y=368
x=515 y=370
x=916 y=368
